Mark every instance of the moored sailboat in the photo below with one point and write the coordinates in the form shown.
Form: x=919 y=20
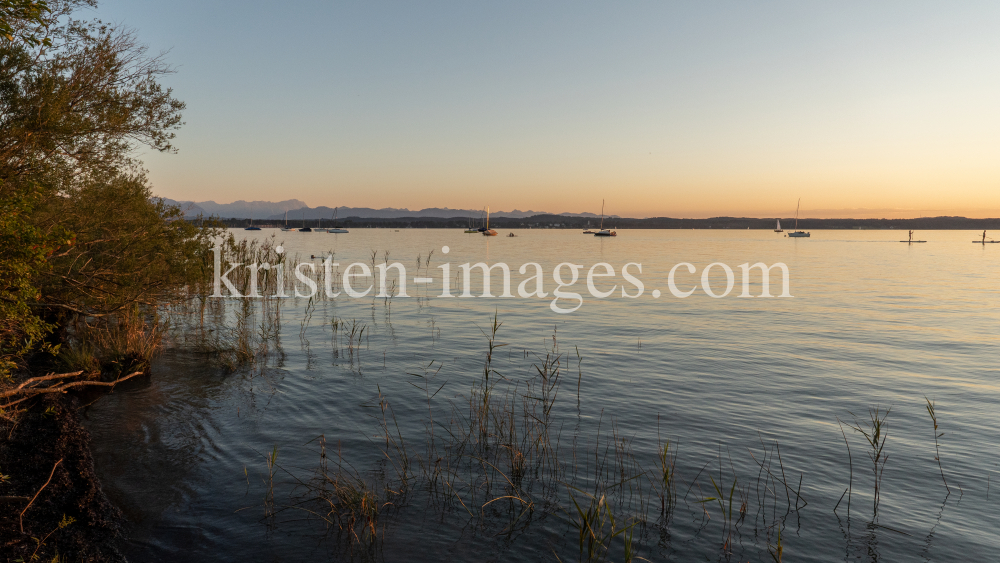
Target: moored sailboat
x=251 y=227
x=797 y=233
x=488 y=231
x=335 y=229
x=604 y=232
x=471 y=229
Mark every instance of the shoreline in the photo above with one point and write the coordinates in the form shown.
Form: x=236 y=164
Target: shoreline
x=71 y=515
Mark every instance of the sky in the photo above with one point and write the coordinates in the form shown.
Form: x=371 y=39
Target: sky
x=679 y=109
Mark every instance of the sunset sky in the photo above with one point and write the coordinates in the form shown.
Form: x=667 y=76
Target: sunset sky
x=683 y=109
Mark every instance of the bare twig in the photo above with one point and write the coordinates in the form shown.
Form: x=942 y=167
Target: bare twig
x=21 y=517
x=31 y=392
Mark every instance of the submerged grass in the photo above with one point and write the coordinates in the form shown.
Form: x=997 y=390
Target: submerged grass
x=492 y=454
x=492 y=457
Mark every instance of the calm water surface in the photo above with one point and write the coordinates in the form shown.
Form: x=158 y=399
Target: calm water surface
x=872 y=322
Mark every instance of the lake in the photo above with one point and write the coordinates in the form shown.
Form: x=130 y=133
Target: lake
x=588 y=400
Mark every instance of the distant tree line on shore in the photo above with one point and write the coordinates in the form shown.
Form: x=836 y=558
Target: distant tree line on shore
x=564 y=222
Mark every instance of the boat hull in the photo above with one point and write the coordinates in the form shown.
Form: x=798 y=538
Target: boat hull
x=798 y=235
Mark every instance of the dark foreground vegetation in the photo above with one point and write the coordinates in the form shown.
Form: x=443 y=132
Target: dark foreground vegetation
x=86 y=258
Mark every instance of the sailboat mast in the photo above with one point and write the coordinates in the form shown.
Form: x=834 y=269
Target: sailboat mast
x=797 y=213
x=487 y=217
x=602 y=214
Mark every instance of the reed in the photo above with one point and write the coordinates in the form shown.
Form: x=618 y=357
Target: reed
x=492 y=456
x=127 y=340
x=79 y=356
x=271 y=461
x=597 y=526
x=876 y=432
x=666 y=474
x=937 y=436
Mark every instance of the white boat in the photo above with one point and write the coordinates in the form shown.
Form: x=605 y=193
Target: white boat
x=604 y=232
x=336 y=229
x=778 y=229
x=286 y=227
x=798 y=233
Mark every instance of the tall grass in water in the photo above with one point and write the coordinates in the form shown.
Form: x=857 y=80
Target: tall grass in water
x=127 y=340
x=666 y=474
x=348 y=501
x=242 y=331
x=271 y=460
x=490 y=457
x=597 y=526
x=494 y=456
x=937 y=446
x=876 y=432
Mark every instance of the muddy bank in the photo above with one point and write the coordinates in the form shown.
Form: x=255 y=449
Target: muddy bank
x=71 y=518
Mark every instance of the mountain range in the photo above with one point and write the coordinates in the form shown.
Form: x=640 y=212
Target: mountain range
x=298 y=210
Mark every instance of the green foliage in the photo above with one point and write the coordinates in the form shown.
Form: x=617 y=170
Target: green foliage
x=81 y=105
x=127 y=249
x=20 y=20
x=24 y=250
x=82 y=241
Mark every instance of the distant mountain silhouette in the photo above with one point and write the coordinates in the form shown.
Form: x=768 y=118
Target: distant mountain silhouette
x=237 y=209
x=189 y=208
x=298 y=210
x=323 y=212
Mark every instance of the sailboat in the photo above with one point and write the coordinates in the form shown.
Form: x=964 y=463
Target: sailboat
x=797 y=232
x=778 y=228
x=488 y=231
x=604 y=232
x=304 y=228
x=286 y=227
x=335 y=228
x=251 y=227
x=471 y=229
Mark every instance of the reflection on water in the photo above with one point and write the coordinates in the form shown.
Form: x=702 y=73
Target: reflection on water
x=747 y=391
